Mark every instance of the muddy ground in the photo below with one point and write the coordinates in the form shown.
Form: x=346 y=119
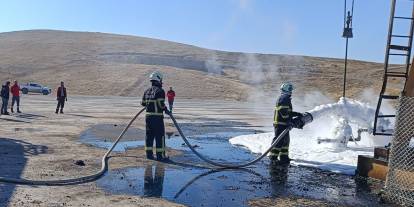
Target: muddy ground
x=41 y=145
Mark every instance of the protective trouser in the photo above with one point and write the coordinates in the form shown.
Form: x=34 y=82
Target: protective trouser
x=16 y=99
x=61 y=104
x=155 y=130
x=5 y=102
x=281 y=149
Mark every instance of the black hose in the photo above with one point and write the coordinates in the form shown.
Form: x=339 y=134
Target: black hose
x=222 y=165
x=73 y=181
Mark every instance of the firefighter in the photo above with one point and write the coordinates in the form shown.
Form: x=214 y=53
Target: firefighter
x=154 y=101
x=282 y=117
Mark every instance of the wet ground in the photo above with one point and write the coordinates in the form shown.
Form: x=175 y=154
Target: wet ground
x=42 y=145
x=187 y=180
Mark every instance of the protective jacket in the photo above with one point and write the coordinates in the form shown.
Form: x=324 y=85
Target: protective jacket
x=154 y=100
x=283 y=112
x=283 y=115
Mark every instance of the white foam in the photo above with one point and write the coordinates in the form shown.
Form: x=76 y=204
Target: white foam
x=333 y=121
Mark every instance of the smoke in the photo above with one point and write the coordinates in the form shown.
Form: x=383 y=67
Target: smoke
x=213 y=64
x=371 y=97
x=251 y=70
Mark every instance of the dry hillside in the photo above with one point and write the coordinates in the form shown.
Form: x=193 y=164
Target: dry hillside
x=109 y=64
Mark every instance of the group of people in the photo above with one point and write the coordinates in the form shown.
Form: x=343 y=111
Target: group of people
x=154 y=101
x=5 y=96
x=61 y=97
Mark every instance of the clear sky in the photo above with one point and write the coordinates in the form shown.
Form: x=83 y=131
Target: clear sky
x=301 y=27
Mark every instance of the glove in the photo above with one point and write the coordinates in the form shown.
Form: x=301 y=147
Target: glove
x=296 y=123
x=167 y=111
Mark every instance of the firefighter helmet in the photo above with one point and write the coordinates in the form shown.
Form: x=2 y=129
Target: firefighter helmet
x=287 y=87
x=156 y=76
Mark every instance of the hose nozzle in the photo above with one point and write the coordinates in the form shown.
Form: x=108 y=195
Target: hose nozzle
x=300 y=121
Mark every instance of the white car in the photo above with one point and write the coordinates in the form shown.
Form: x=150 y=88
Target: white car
x=35 y=88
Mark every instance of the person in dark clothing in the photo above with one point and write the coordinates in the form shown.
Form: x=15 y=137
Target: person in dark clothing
x=171 y=96
x=5 y=94
x=61 y=97
x=283 y=115
x=154 y=101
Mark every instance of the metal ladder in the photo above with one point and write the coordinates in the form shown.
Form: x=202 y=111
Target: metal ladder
x=394 y=50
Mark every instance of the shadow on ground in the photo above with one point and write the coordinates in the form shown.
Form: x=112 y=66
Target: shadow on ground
x=13 y=159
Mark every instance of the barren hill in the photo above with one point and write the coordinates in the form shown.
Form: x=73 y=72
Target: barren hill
x=109 y=64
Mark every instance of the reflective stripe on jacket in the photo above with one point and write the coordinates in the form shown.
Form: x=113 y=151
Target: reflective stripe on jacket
x=283 y=112
x=154 y=100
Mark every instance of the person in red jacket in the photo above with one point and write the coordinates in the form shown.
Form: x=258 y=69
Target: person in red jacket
x=61 y=97
x=170 y=96
x=15 y=90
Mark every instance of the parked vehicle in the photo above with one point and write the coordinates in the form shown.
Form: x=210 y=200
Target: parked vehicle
x=35 y=88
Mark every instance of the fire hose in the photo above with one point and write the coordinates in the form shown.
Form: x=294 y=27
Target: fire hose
x=298 y=122
x=73 y=181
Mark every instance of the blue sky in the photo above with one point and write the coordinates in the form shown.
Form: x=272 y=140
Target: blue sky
x=300 y=27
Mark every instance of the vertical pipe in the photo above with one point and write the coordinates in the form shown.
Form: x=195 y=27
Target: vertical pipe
x=346 y=62
x=345 y=14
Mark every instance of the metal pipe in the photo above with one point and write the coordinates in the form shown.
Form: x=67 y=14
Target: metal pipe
x=346 y=62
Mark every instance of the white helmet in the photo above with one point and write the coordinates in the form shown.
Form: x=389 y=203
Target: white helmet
x=156 y=76
x=287 y=88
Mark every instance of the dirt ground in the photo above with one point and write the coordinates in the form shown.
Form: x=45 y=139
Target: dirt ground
x=41 y=145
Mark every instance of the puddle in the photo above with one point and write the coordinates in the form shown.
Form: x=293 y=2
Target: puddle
x=183 y=181
x=213 y=145
x=193 y=187
x=203 y=187
x=103 y=136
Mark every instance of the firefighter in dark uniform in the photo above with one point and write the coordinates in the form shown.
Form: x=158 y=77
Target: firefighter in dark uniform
x=154 y=101
x=283 y=115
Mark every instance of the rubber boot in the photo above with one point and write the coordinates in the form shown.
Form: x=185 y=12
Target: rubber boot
x=61 y=111
x=161 y=157
x=284 y=159
x=18 y=110
x=57 y=110
x=150 y=156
